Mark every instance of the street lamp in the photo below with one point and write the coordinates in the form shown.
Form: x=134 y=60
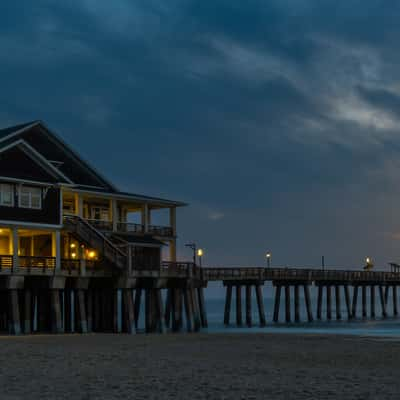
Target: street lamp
x=193 y=247
x=200 y=254
x=268 y=257
x=369 y=264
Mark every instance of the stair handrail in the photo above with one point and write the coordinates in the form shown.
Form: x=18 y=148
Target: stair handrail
x=98 y=233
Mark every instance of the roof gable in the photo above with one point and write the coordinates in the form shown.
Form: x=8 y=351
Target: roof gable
x=19 y=161
x=53 y=148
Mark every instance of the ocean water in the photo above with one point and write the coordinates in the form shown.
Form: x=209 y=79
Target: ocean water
x=215 y=303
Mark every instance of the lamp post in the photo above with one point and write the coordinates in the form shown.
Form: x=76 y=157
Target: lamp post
x=200 y=254
x=193 y=247
x=268 y=257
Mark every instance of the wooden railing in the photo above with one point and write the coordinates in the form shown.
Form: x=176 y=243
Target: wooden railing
x=6 y=262
x=38 y=262
x=130 y=227
x=102 y=225
x=157 y=230
x=96 y=239
x=71 y=265
x=298 y=274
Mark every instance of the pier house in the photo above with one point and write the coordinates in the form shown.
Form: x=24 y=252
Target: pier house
x=71 y=242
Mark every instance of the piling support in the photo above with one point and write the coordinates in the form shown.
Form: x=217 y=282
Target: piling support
x=277 y=302
x=239 y=305
x=228 y=300
x=338 y=303
x=27 y=311
x=372 y=301
x=386 y=294
x=82 y=311
x=394 y=295
x=355 y=297
x=296 y=303
x=188 y=310
x=260 y=305
x=129 y=312
x=328 y=302
x=160 y=312
x=383 y=302
x=89 y=309
x=202 y=307
x=308 y=302
x=196 y=311
x=14 y=320
x=347 y=300
x=319 y=302
x=248 y=306
x=56 y=318
x=168 y=308
x=287 y=303
x=138 y=297
x=148 y=310
x=67 y=310
x=177 y=306
x=364 y=301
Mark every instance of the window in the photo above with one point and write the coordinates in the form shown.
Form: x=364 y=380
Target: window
x=30 y=197
x=6 y=195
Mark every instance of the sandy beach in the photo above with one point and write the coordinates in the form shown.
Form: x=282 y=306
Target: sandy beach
x=202 y=366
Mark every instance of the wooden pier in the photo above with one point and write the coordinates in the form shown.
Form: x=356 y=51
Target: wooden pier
x=172 y=298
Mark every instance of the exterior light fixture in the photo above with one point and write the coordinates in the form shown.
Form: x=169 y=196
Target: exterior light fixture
x=200 y=253
x=268 y=257
x=73 y=255
x=92 y=254
x=73 y=245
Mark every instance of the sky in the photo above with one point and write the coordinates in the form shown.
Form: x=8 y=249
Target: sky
x=277 y=121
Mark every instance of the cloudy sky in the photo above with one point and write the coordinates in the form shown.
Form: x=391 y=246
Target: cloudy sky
x=278 y=121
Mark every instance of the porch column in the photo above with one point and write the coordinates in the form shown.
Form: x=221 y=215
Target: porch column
x=56 y=248
x=14 y=234
x=114 y=214
x=78 y=204
x=172 y=220
x=172 y=250
x=145 y=217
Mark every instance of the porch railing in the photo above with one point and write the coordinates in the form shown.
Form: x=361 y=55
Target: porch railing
x=160 y=230
x=6 y=262
x=37 y=262
x=102 y=225
x=129 y=227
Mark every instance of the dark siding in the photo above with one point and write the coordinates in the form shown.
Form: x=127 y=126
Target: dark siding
x=49 y=214
x=51 y=150
x=14 y=163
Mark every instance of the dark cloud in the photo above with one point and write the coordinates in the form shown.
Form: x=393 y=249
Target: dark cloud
x=276 y=120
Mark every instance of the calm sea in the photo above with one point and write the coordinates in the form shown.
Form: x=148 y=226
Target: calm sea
x=215 y=301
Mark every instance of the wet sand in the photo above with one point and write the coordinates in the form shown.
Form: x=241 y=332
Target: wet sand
x=199 y=366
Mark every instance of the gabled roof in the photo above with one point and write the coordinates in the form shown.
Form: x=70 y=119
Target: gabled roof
x=16 y=128
x=47 y=148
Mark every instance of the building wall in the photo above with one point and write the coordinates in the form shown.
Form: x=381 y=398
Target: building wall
x=49 y=214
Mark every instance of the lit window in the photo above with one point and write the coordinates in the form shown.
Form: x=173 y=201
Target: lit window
x=30 y=197
x=6 y=195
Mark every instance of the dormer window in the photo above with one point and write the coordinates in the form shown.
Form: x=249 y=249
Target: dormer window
x=30 y=197
x=6 y=195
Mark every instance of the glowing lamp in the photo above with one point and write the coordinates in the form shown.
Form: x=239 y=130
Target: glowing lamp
x=92 y=254
x=200 y=252
x=73 y=245
x=73 y=255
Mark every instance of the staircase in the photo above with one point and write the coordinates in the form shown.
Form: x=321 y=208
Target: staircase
x=94 y=238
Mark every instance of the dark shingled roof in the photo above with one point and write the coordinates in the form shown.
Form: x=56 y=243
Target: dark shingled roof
x=11 y=129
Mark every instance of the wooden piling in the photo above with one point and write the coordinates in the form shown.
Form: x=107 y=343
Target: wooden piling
x=394 y=295
x=89 y=310
x=278 y=290
x=160 y=312
x=67 y=310
x=338 y=303
x=287 y=304
x=195 y=308
x=347 y=300
x=14 y=323
x=177 y=304
x=129 y=312
x=138 y=297
x=328 y=302
x=386 y=294
x=56 y=318
x=296 y=303
x=319 y=302
x=148 y=311
x=27 y=311
x=228 y=300
x=188 y=310
x=308 y=302
x=82 y=321
x=355 y=297
x=239 y=305
x=383 y=301
x=372 y=301
x=168 y=308
x=364 y=301
x=202 y=307
x=260 y=305
x=248 y=306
